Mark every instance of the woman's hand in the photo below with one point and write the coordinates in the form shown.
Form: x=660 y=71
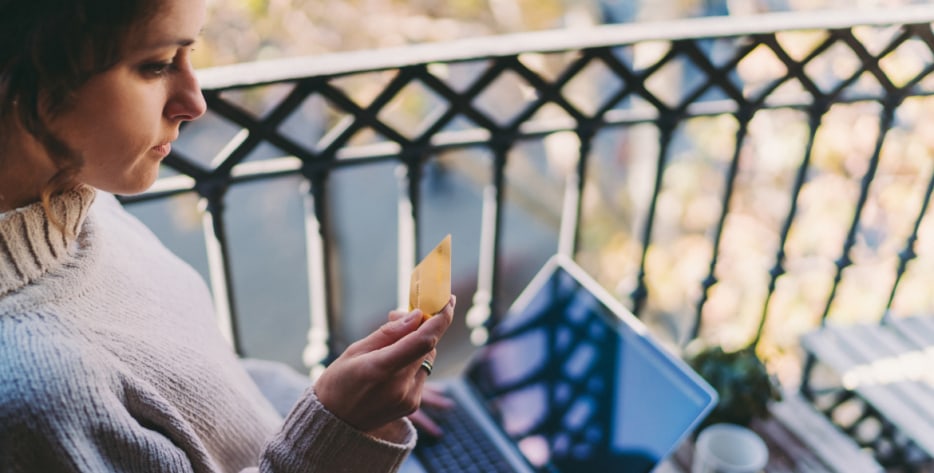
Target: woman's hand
x=379 y=379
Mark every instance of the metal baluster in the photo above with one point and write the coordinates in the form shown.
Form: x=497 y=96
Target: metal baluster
x=744 y=116
x=569 y=229
x=885 y=124
x=215 y=239
x=480 y=314
x=409 y=177
x=666 y=127
x=778 y=269
x=321 y=345
x=501 y=151
x=908 y=252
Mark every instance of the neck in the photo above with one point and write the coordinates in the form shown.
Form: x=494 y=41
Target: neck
x=24 y=171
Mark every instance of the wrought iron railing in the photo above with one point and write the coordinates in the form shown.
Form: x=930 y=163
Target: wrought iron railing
x=735 y=179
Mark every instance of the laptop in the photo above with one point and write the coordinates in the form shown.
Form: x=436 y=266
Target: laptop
x=568 y=382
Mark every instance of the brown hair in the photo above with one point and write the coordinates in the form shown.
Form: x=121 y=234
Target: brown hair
x=48 y=49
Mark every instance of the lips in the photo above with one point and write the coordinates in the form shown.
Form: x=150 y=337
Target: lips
x=164 y=149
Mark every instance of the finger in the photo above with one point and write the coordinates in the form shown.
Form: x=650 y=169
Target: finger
x=449 y=307
x=421 y=374
x=426 y=424
x=388 y=334
x=452 y=302
x=436 y=388
x=396 y=315
x=431 y=396
x=425 y=367
x=448 y=310
x=414 y=347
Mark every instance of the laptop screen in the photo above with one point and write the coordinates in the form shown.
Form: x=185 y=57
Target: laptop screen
x=576 y=382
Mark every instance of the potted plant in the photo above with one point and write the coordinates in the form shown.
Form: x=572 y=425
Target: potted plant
x=741 y=380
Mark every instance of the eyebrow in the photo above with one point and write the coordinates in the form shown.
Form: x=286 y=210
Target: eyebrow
x=181 y=43
x=178 y=42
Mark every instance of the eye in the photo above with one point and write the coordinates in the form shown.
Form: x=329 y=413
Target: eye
x=161 y=67
x=155 y=69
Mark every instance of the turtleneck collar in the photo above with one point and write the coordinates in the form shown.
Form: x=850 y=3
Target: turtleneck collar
x=31 y=245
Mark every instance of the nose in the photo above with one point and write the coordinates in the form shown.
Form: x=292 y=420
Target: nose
x=186 y=102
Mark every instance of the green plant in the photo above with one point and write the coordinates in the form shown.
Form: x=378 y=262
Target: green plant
x=741 y=380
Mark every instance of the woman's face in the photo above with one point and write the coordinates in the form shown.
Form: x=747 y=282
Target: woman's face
x=123 y=121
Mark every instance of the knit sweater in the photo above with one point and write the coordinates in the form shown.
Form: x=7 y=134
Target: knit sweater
x=110 y=361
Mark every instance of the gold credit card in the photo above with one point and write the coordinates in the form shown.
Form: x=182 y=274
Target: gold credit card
x=430 y=286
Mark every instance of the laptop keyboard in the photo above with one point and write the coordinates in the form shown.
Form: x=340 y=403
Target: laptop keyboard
x=462 y=449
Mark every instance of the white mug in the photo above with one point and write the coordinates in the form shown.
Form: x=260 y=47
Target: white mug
x=729 y=448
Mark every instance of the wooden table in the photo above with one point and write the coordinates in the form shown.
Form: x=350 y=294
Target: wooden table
x=799 y=439
x=886 y=366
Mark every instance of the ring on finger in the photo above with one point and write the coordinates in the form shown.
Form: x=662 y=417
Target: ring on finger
x=428 y=366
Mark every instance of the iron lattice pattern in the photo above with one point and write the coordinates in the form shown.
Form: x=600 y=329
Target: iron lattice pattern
x=729 y=182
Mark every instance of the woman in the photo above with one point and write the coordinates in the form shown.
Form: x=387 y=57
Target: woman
x=109 y=357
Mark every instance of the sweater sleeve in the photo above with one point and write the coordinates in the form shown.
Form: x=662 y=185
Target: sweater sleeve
x=313 y=439
x=312 y=436
x=62 y=411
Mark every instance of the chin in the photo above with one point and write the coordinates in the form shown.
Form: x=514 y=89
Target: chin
x=134 y=184
x=139 y=188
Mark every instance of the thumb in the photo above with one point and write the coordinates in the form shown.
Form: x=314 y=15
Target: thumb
x=388 y=333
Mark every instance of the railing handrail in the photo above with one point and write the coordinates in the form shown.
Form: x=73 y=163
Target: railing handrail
x=270 y=71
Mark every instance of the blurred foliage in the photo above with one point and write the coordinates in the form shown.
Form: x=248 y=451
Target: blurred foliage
x=248 y=30
x=743 y=384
